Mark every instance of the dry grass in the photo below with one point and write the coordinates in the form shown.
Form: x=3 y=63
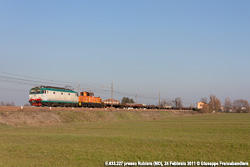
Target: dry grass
x=39 y=116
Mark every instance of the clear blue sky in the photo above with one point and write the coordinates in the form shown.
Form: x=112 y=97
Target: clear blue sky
x=187 y=49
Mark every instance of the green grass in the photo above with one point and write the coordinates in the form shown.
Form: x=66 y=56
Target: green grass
x=215 y=137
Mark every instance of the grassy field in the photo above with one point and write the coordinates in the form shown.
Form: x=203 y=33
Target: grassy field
x=214 y=137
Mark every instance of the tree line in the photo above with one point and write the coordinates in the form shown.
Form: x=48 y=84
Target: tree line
x=176 y=103
x=2 y=103
x=127 y=100
x=214 y=105
x=7 y=103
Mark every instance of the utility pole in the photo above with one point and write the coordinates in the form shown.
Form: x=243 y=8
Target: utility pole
x=78 y=89
x=112 y=94
x=179 y=103
x=159 y=99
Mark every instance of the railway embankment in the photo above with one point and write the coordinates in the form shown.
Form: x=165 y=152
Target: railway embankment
x=44 y=116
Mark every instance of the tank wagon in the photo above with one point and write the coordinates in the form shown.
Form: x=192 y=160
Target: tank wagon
x=53 y=96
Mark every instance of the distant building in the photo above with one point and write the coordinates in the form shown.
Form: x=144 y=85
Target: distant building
x=228 y=109
x=167 y=106
x=111 y=101
x=201 y=104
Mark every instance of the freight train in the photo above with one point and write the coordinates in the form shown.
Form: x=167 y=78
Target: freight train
x=64 y=97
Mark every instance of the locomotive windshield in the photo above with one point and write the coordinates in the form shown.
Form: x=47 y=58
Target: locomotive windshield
x=35 y=91
x=32 y=91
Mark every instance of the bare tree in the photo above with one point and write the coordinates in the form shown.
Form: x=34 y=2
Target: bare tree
x=205 y=108
x=12 y=104
x=2 y=103
x=214 y=104
x=241 y=106
x=7 y=103
x=204 y=99
x=227 y=104
x=178 y=103
x=166 y=104
x=27 y=104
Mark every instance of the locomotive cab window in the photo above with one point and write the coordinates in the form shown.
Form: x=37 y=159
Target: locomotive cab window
x=32 y=91
x=38 y=91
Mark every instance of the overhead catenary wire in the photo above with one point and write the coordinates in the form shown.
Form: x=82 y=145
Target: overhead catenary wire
x=37 y=81
x=25 y=76
x=48 y=81
x=57 y=82
x=26 y=80
x=12 y=89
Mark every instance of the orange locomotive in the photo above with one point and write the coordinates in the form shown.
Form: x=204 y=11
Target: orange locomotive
x=87 y=99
